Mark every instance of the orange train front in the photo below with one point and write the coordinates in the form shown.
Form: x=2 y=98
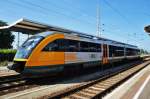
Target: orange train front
x=54 y=52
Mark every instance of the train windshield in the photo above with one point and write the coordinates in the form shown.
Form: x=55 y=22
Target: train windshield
x=27 y=47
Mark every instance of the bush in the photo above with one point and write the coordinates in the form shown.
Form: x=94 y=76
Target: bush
x=7 y=54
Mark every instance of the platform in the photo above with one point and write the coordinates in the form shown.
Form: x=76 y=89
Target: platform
x=137 y=87
x=3 y=68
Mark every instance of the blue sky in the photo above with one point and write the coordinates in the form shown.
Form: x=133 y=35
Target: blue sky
x=121 y=20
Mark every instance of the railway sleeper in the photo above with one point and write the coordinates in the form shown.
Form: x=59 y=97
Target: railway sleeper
x=101 y=87
x=87 y=91
x=82 y=94
x=94 y=91
x=74 y=96
x=103 y=84
x=109 y=80
x=11 y=85
x=88 y=95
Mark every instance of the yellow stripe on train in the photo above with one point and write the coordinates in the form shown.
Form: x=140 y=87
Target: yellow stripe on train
x=19 y=59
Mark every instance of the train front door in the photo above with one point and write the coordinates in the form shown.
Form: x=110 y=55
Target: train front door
x=105 y=54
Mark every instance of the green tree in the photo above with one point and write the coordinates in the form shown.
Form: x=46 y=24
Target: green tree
x=142 y=51
x=6 y=37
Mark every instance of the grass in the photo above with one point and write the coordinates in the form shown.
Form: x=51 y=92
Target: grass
x=4 y=63
x=7 y=51
x=6 y=55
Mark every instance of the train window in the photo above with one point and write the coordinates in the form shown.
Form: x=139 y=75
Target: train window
x=31 y=42
x=110 y=51
x=57 y=45
x=89 y=47
x=72 y=46
x=84 y=46
x=130 y=51
x=92 y=47
x=61 y=44
x=98 y=47
x=115 y=51
x=27 y=47
x=67 y=45
x=119 y=51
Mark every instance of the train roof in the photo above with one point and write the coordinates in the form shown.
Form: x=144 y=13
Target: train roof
x=102 y=40
x=31 y=27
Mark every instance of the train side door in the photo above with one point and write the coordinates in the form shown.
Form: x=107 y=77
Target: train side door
x=105 y=54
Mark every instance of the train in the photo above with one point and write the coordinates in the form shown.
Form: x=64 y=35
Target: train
x=53 y=52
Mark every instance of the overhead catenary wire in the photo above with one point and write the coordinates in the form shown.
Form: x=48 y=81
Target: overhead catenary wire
x=41 y=8
x=123 y=17
x=79 y=9
x=99 y=29
x=36 y=8
x=73 y=9
x=21 y=5
x=56 y=12
x=45 y=11
x=117 y=11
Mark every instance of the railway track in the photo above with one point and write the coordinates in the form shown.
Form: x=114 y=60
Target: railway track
x=15 y=83
x=9 y=78
x=10 y=82
x=100 y=87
